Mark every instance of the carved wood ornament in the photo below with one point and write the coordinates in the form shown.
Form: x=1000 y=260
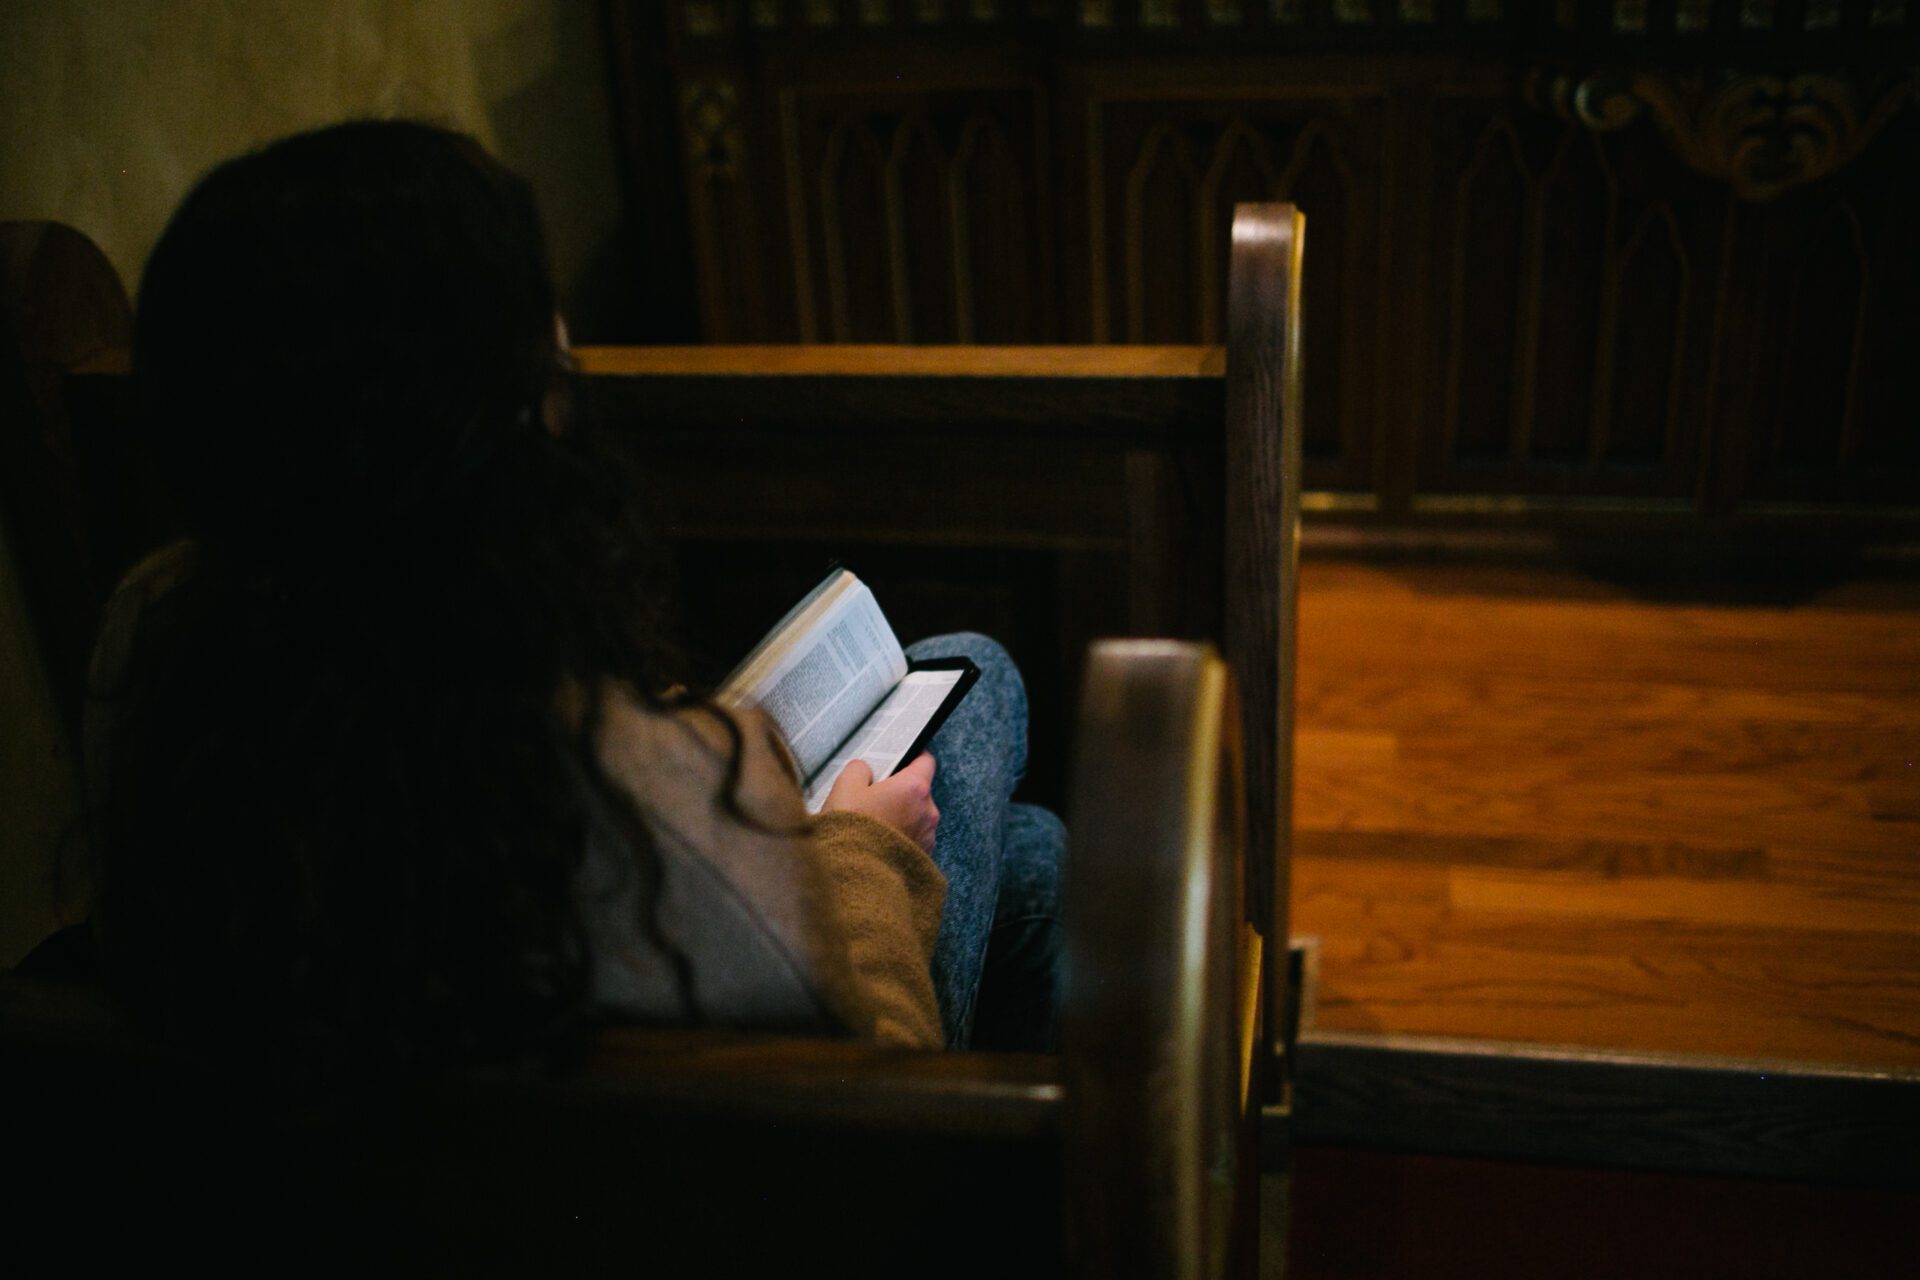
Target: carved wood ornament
x=711 y=111
x=1762 y=134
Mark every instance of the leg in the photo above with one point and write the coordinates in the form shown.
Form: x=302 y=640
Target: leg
x=1020 y=990
x=979 y=755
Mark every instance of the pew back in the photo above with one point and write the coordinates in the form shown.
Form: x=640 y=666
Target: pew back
x=1048 y=495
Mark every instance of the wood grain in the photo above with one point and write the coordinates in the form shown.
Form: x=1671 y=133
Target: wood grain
x=1611 y=1109
x=1532 y=806
x=907 y=361
x=1150 y=1067
x=1262 y=515
x=895 y=399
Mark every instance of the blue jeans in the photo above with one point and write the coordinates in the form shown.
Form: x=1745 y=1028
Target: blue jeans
x=996 y=962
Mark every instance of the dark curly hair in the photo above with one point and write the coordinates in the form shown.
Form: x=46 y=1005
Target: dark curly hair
x=349 y=782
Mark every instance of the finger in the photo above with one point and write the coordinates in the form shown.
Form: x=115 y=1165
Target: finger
x=853 y=780
x=922 y=766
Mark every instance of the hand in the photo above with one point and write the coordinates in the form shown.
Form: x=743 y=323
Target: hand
x=904 y=801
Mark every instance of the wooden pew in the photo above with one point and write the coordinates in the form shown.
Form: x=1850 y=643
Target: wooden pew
x=1049 y=496
x=1129 y=1154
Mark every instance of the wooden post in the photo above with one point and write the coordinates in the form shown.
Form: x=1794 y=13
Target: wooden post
x=1262 y=503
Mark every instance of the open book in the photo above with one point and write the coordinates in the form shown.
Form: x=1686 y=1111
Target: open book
x=833 y=678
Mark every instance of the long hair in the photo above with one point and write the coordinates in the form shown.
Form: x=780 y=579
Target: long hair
x=345 y=807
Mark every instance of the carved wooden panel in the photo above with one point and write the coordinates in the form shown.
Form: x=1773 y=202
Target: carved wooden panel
x=1164 y=179
x=917 y=215
x=1568 y=316
x=1554 y=268
x=1166 y=172
x=721 y=165
x=1834 y=289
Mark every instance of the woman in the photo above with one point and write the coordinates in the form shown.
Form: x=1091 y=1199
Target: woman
x=391 y=762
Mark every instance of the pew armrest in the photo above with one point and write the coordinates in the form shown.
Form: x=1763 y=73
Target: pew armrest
x=1153 y=1121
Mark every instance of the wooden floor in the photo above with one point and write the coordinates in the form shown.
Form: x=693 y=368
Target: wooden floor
x=1534 y=805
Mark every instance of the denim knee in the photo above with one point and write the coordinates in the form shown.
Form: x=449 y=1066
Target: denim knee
x=1030 y=871
x=998 y=699
x=987 y=654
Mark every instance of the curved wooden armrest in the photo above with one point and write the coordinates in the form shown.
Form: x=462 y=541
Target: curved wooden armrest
x=786 y=1080
x=1152 y=1076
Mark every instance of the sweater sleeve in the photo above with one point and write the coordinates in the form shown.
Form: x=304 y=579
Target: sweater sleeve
x=852 y=903
x=889 y=895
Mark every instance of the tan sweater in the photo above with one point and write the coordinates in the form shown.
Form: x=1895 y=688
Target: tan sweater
x=786 y=920
x=779 y=921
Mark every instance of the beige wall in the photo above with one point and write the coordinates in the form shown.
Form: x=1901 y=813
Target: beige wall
x=113 y=107
x=110 y=109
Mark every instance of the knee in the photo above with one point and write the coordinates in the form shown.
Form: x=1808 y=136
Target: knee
x=997 y=669
x=996 y=710
x=1032 y=871
x=1041 y=829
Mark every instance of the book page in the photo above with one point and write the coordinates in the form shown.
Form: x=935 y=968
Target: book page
x=784 y=634
x=883 y=740
x=830 y=677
